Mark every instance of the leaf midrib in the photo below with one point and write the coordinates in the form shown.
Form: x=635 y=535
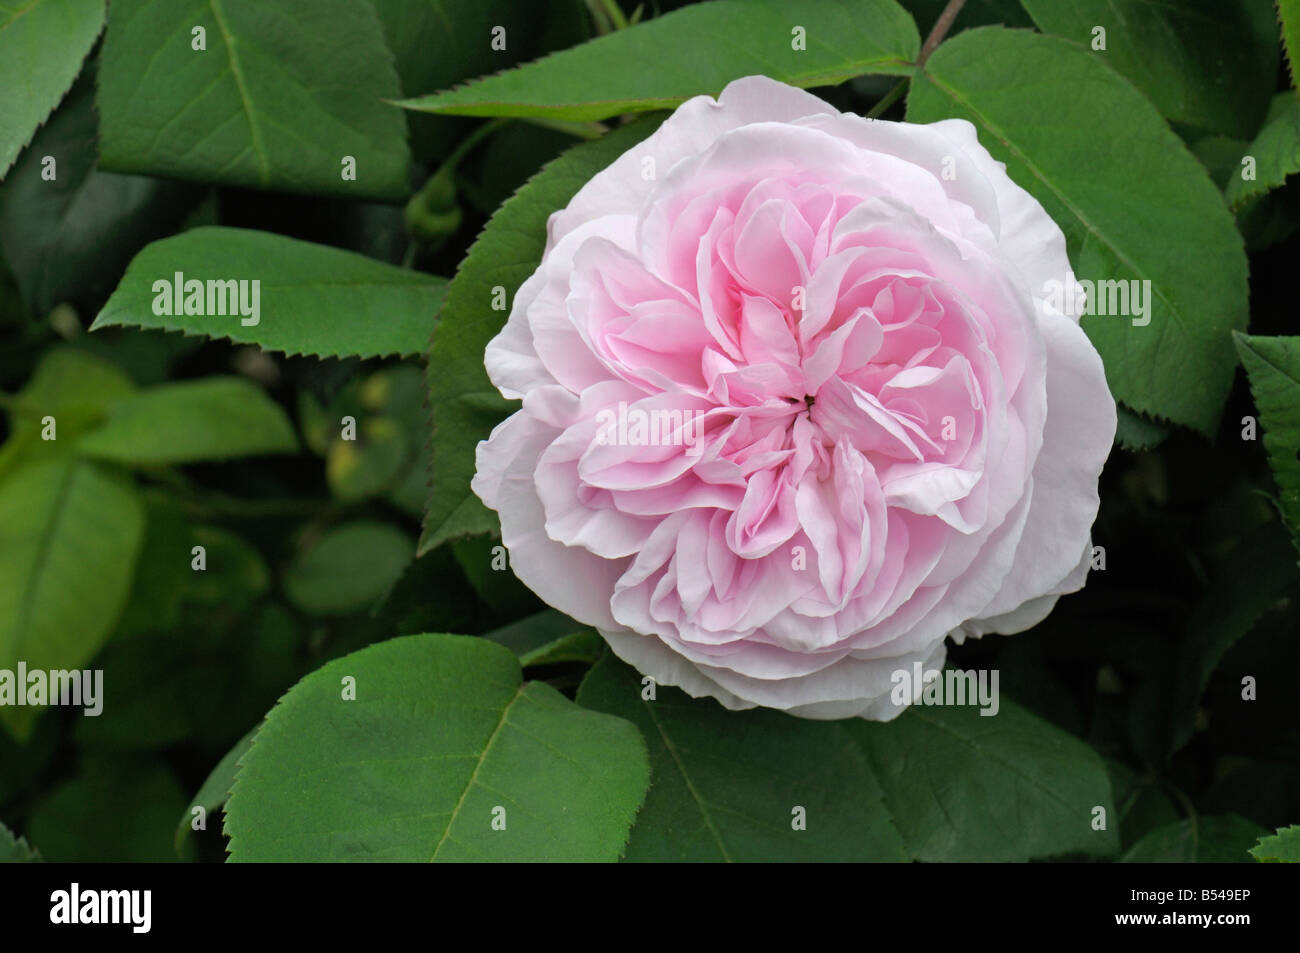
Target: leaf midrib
x=19 y=14
x=690 y=786
x=473 y=778
x=237 y=71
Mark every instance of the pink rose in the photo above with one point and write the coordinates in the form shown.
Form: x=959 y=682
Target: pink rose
x=795 y=405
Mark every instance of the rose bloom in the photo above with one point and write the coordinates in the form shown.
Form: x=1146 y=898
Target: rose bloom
x=795 y=405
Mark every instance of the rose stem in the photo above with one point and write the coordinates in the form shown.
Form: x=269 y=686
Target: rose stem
x=939 y=31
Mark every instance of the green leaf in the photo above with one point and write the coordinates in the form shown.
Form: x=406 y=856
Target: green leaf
x=1201 y=62
x=1220 y=155
x=549 y=637
x=1148 y=211
x=283 y=92
x=348 y=568
x=1288 y=14
x=484 y=561
x=585 y=646
x=727 y=785
x=1222 y=839
x=1273 y=368
x=73 y=387
x=1271 y=219
x=1282 y=847
x=69 y=238
x=974 y=13
x=70 y=533
x=1276 y=151
x=1135 y=432
x=1266 y=216
x=214 y=791
x=465 y=404
x=312 y=299
x=436 y=44
x=15 y=850
x=441 y=735
x=42 y=45
x=532 y=633
x=1008 y=787
x=692 y=51
x=213 y=418
x=430 y=594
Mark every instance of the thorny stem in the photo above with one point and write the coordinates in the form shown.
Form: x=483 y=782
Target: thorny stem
x=941 y=28
x=937 y=34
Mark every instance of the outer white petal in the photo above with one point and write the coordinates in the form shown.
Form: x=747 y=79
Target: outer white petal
x=847 y=689
x=512 y=358
x=959 y=176
x=650 y=656
x=1077 y=439
x=1027 y=234
x=568 y=578
x=691 y=129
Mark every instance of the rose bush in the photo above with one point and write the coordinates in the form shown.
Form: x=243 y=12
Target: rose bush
x=857 y=426
x=797 y=417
